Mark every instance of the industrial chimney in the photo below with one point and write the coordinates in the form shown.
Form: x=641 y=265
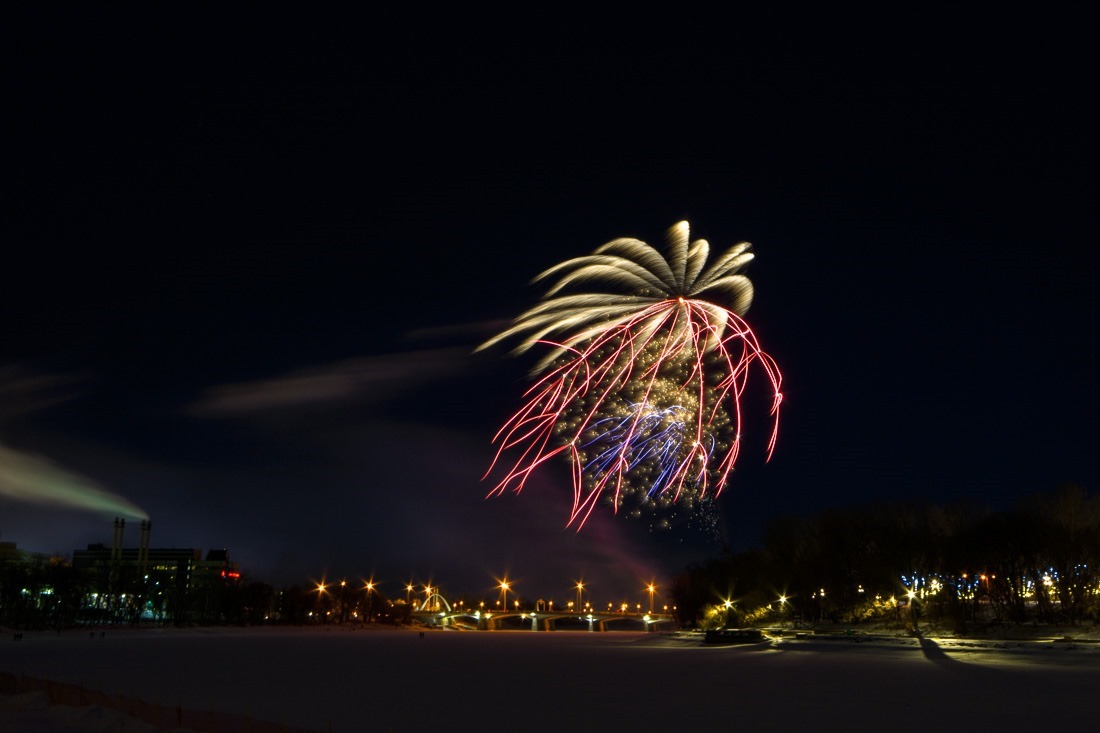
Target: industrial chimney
x=143 y=546
x=116 y=541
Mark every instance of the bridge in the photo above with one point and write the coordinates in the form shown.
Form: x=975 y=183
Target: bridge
x=436 y=611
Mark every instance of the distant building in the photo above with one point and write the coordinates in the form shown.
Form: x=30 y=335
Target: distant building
x=10 y=553
x=151 y=583
x=181 y=564
x=218 y=565
x=174 y=560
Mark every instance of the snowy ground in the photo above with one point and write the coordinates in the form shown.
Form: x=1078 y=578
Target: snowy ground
x=341 y=680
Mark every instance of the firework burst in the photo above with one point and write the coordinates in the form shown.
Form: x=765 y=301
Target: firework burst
x=642 y=384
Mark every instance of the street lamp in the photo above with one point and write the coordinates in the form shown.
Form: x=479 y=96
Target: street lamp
x=322 y=590
x=652 y=589
x=580 y=589
x=408 y=593
x=343 y=600
x=369 y=587
x=504 y=589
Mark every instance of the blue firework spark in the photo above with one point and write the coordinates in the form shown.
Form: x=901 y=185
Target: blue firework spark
x=645 y=434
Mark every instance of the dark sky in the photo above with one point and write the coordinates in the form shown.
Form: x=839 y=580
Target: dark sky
x=245 y=269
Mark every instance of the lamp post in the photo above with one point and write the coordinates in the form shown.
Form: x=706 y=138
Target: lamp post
x=369 y=587
x=322 y=589
x=580 y=590
x=504 y=589
x=652 y=589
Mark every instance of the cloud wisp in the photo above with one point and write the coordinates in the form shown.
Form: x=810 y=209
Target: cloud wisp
x=25 y=391
x=364 y=380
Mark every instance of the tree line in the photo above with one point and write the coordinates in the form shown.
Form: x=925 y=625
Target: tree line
x=960 y=564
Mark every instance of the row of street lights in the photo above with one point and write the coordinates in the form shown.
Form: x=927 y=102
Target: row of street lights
x=503 y=584
x=651 y=588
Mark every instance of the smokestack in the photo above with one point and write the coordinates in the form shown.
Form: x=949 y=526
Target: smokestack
x=143 y=548
x=115 y=541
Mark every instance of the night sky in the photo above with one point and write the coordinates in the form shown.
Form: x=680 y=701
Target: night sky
x=244 y=272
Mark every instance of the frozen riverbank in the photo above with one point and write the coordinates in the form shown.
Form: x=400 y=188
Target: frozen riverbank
x=374 y=680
